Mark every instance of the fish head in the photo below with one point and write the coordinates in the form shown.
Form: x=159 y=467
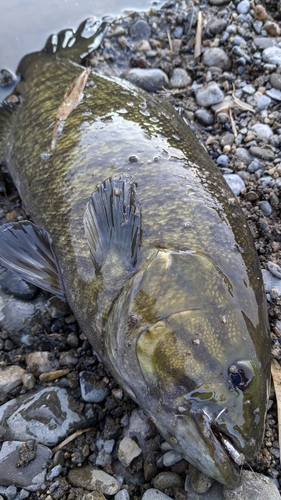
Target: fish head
x=198 y=354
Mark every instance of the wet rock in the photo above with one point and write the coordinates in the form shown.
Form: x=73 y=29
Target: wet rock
x=13 y=284
x=47 y=416
x=209 y=95
x=253 y=486
x=180 y=78
x=128 y=450
x=154 y=494
x=92 y=389
x=235 y=183
x=150 y=80
x=11 y=377
x=90 y=478
x=32 y=475
x=272 y=55
x=165 y=480
x=216 y=57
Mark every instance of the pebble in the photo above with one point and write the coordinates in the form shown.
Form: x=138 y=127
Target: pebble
x=204 y=116
x=243 y=155
x=272 y=55
x=90 y=478
x=260 y=12
x=274 y=94
x=171 y=458
x=128 y=450
x=265 y=207
x=253 y=486
x=263 y=102
x=38 y=362
x=150 y=80
x=154 y=494
x=13 y=284
x=263 y=153
x=166 y=479
x=209 y=95
x=32 y=475
x=217 y=26
x=261 y=130
x=122 y=495
x=11 y=377
x=28 y=381
x=140 y=29
x=179 y=78
x=243 y=7
x=274 y=269
x=275 y=80
x=235 y=183
x=216 y=57
x=270 y=281
x=47 y=416
x=93 y=390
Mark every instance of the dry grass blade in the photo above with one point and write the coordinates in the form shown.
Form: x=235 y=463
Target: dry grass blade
x=198 y=38
x=232 y=123
x=72 y=437
x=242 y=105
x=276 y=376
x=170 y=41
x=71 y=99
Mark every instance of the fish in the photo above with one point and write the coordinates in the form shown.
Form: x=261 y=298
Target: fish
x=131 y=222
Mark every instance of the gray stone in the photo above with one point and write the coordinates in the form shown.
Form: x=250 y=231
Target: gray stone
x=32 y=475
x=253 y=486
x=243 y=7
x=238 y=40
x=254 y=166
x=140 y=427
x=10 y=492
x=12 y=283
x=263 y=43
x=90 y=478
x=209 y=95
x=275 y=80
x=216 y=57
x=46 y=416
x=92 y=390
x=222 y=160
x=154 y=494
x=54 y=472
x=261 y=130
x=264 y=153
x=128 y=450
x=180 y=78
x=103 y=458
x=249 y=89
x=204 y=116
x=263 y=102
x=11 y=377
x=122 y=495
x=171 y=458
x=150 y=80
x=270 y=281
x=272 y=55
x=140 y=30
x=217 y=25
x=265 y=207
x=274 y=94
x=243 y=154
x=274 y=269
x=235 y=183
x=165 y=480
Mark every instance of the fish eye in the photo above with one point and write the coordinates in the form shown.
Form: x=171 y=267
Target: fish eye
x=240 y=374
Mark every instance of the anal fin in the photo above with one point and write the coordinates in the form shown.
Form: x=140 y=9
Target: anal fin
x=112 y=224
x=27 y=249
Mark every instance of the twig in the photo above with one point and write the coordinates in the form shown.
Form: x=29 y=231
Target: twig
x=72 y=437
x=170 y=41
x=198 y=37
x=232 y=123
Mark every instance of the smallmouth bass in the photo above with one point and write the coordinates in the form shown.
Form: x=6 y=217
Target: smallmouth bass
x=135 y=227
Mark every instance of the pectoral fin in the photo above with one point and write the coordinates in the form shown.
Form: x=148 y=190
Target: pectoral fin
x=112 y=223
x=27 y=249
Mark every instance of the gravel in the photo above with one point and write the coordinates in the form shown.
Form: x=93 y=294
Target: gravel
x=51 y=380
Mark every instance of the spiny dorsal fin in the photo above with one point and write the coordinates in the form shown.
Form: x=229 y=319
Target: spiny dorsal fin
x=27 y=249
x=7 y=111
x=112 y=221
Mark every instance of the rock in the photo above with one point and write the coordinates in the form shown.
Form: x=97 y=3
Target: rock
x=92 y=389
x=275 y=80
x=235 y=183
x=263 y=102
x=217 y=26
x=141 y=30
x=227 y=139
x=204 y=116
x=264 y=153
x=179 y=78
x=90 y=478
x=11 y=377
x=272 y=55
x=273 y=29
x=142 y=46
x=154 y=494
x=261 y=130
x=274 y=269
x=270 y=281
x=150 y=80
x=122 y=495
x=200 y=482
x=216 y=57
x=253 y=486
x=38 y=362
x=243 y=7
x=13 y=284
x=171 y=458
x=47 y=416
x=32 y=475
x=265 y=208
x=140 y=427
x=128 y=450
x=214 y=493
x=260 y=12
x=165 y=480
x=249 y=89
x=274 y=93
x=209 y=95
x=28 y=381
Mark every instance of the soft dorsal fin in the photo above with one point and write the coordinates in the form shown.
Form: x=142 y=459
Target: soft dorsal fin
x=7 y=111
x=112 y=222
x=27 y=249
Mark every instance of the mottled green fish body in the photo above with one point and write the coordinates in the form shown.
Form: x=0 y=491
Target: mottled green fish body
x=153 y=255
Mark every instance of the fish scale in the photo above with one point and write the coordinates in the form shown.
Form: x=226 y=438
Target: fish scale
x=150 y=249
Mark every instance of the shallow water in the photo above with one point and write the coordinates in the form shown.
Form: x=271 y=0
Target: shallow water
x=26 y=24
